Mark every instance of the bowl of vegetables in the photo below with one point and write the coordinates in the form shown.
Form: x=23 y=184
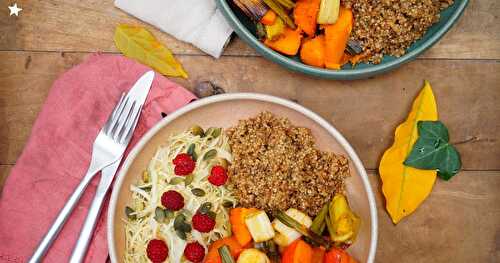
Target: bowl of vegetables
x=341 y=39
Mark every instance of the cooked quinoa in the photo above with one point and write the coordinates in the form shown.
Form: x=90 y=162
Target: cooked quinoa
x=391 y=26
x=276 y=166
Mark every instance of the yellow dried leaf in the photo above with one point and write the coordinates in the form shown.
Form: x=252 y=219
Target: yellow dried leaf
x=404 y=187
x=137 y=43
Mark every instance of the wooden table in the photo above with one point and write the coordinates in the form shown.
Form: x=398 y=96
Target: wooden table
x=459 y=222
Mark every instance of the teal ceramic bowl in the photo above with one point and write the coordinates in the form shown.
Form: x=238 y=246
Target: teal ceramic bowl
x=245 y=30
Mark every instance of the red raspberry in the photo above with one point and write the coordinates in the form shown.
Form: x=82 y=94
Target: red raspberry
x=194 y=252
x=218 y=175
x=157 y=250
x=184 y=164
x=172 y=200
x=203 y=222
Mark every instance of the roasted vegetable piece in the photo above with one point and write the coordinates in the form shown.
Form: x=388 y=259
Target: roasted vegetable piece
x=337 y=255
x=288 y=221
x=304 y=15
x=225 y=254
x=357 y=58
x=354 y=47
x=213 y=251
x=328 y=11
x=312 y=53
x=298 y=252
x=253 y=255
x=319 y=223
x=288 y=43
x=255 y=9
x=238 y=227
x=269 y=18
x=286 y=235
x=280 y=12
x=260 y=30
x=259 y=226
x=275 y=30
x=318 y=255
x=287 y=4
x=336 y=37
x=344 y=223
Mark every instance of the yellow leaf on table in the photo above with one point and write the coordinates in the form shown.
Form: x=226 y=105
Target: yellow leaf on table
x=137 y=43
x=404 y=187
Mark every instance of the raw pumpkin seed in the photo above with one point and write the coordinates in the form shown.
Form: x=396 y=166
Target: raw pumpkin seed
x=197 y=130
x=198 y=192
x=212 y=214
x=179 y=220
x=205 y=207
x=227 y=204
x=189 y=179
x=181 y=234
x=128 y=212
x=176 y=180
x=216 y=132
x=159 y=215
x=185 y=227
x=209 y=155
x=191 y=151
x=168 y=214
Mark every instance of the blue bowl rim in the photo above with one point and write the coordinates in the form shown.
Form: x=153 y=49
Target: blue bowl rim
x=356 y=73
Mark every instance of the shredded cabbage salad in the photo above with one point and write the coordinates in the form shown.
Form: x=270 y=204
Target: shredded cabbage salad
x=140 y=223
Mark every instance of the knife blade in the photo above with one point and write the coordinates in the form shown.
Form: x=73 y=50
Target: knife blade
x=137 y=93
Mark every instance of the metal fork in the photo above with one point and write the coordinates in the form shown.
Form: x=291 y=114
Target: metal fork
x=108 y=147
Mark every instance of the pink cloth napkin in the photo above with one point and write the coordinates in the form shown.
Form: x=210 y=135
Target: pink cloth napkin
x=58 y=153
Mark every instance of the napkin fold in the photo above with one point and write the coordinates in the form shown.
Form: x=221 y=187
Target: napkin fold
x=58 y=153
x=198 y=22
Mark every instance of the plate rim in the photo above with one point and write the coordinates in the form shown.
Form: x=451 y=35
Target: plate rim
x=242 y=96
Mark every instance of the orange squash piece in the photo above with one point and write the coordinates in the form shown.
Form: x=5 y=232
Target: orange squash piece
x=238 y=226
x=336 y=37
x=337 y=255
x=297 y=252
x=318 y=255
x=288 y=43
x=305 y=14
x=357 y=58
x=269 y=18
x=312 y=51
x=213 y=251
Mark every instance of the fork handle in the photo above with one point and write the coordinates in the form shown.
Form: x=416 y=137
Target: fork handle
x=61 y=218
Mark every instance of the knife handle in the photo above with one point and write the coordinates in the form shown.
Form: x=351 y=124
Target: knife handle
x=82 y=244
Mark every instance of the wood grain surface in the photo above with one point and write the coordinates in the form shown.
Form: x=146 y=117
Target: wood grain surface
x=459 y=222
x=75 y=25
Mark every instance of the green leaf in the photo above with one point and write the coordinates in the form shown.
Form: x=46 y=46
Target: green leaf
x=432 y=150
x=451 y=165
x=137 y=43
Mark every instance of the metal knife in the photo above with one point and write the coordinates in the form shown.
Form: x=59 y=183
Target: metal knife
x=138 y=92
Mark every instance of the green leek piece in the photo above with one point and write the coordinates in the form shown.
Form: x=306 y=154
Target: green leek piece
x=287 y=4
x=290 y=222
x=318 y=224
x=225 y=254
x=281 y=13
